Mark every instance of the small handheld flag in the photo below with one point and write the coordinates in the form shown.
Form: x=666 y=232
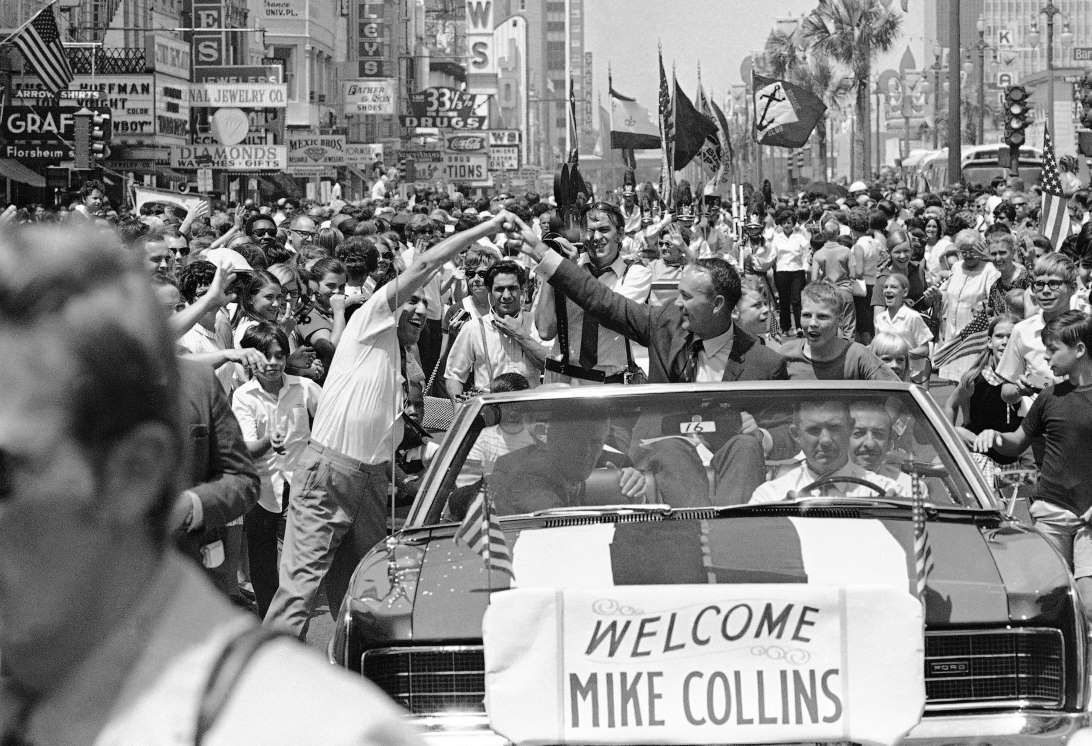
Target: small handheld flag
x=1054 y=212
x=481 y=533
x=923 y=553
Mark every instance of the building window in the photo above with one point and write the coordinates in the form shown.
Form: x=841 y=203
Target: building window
x=287 y=57
x=555 y=25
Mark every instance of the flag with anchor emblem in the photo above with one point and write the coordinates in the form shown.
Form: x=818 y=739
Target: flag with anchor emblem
x=784 y=114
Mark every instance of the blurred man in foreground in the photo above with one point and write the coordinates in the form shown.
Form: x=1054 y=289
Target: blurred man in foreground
x=107 y=635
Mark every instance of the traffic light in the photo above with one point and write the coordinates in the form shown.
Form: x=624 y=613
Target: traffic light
x=100 y=136
x=1017 y=115
x=81 y=139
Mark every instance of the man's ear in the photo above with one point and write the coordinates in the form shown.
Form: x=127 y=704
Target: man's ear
x=135 y=471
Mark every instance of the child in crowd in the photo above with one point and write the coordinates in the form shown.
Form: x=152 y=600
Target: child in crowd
x=822 y=353
x=978 y=400
x=752 y=312
x=1062 y=415
x=897 y=318
x=274 y=412
x=893 y=352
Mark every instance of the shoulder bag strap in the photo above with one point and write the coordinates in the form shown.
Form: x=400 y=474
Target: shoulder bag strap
x=485 y=350
x=225 y=674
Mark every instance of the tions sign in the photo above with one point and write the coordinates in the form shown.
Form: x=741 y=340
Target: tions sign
x=704 y=664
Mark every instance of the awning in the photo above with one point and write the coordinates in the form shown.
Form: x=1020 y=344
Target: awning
x=16 y=171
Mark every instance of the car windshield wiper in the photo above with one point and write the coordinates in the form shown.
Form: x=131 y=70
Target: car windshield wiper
x=581 y=510
x=856 y=500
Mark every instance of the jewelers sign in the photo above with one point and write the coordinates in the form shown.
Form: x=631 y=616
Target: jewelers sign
x=230 y=158
x=365 y=96
x=704 y=664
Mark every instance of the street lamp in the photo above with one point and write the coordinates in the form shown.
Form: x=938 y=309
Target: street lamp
x=981 y=46
x=908 y=81
x=1049 y=10
x=935 y=88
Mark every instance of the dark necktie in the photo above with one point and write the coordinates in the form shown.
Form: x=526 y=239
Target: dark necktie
x=589 y=333
x=691 y=351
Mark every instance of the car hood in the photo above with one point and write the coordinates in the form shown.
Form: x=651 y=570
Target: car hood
x=986 y=571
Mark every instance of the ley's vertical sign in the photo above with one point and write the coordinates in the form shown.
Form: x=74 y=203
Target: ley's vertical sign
x=209 y=46
x=373 y=46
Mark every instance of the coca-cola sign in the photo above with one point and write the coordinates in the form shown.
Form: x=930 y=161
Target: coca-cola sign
x=467 y=143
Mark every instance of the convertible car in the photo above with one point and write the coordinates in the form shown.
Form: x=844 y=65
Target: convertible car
x=744 y=483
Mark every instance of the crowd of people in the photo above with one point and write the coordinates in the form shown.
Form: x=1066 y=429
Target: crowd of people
x=320 y=345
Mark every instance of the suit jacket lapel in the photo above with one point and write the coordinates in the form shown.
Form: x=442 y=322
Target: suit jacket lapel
x=741 y=342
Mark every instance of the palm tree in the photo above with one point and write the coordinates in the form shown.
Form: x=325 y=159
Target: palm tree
x=788 y=59
x=853 y=32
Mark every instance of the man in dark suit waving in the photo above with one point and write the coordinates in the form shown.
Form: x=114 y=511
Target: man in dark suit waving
x=692 y=340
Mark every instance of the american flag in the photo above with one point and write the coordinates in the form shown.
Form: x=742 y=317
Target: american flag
x=481 y=532
x=40 y=43
x=1054 y=214
x=667 y=139
x=970 y=340
x=923 y=553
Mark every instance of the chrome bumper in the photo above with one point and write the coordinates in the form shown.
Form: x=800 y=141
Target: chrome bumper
x=996 y=729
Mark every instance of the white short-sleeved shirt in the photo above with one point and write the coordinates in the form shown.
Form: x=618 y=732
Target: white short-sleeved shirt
x=259 y=413
x=776 y=490
x=1026 y=354
x=906 y=323
x=359 y=414
x=791 y=250
x=497 y=354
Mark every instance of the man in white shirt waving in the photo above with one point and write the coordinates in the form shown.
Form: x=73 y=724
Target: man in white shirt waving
x=822 y=429
x=338 y=502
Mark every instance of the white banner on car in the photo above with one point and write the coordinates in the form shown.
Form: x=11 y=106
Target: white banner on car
x=144 y=195
x=704 y=664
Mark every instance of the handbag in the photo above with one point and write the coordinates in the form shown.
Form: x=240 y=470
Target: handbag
x=439 y=411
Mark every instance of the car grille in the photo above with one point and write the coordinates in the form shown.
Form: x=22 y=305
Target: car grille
x=994 y=668
x=429 y=680
x=963 y=669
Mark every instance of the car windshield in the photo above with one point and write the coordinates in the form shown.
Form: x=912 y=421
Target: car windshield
x=699 y=449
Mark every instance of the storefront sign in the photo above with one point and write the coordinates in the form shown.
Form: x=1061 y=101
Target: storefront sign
x=505 y=137
x=504 y=158
x=288 y=9
x=368 y=96
x=231 y=158
x=172 y=109
x=238 y=74
x=704 y=664
x=468 y=168
x=373 y=41
x=131 y=99
x=209 y=47
x=445 y=121
x=363 y=153
x=39 y=124
x=482 y=66
x=428 y=165
x=48 y=152
x=168 y=56
x=468 y=143
x=240 y=95
x=314 y=155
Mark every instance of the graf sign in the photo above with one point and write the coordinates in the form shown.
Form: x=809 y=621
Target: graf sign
x=748 y=663
x=231 y=158
x=364 y=96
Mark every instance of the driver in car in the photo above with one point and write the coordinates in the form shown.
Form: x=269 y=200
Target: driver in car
x=823 y=430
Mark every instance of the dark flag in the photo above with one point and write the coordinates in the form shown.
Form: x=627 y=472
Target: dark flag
x=785 y=114
x=711 y=154
x=692 y=129
x=40 y=43
x=667 y=138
